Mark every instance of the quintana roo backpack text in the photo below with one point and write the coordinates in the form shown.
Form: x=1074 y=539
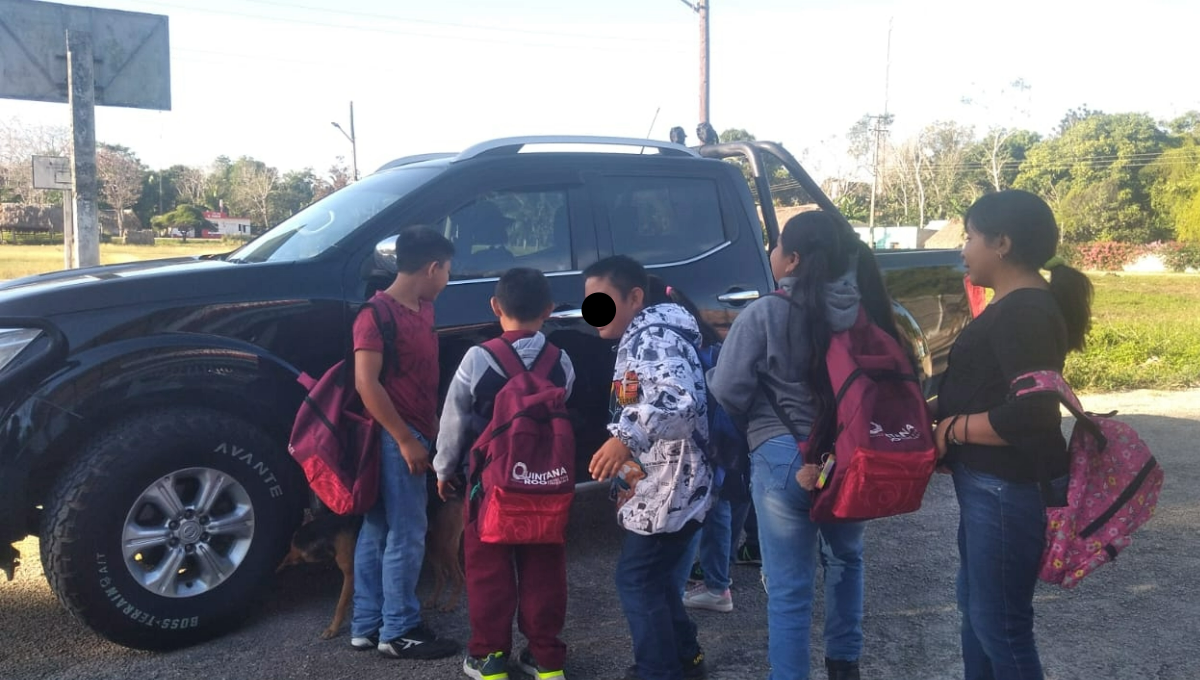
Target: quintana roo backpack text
x=523 y=464
x=883 y=453
x=1114 y=488
x=334 y=439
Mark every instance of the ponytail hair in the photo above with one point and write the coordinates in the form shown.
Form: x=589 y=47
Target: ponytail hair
x=1074 y=291
x=1030 y=225
x=658 y=292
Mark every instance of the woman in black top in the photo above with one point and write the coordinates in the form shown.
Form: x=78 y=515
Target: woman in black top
x=999 y=449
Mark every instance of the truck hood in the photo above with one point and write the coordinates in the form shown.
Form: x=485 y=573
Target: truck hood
x=92 y=288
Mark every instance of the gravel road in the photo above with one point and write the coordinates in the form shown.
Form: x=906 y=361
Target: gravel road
x=1139 y=618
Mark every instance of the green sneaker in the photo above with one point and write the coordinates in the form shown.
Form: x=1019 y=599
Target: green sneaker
x=491 y=667
x=527 y=664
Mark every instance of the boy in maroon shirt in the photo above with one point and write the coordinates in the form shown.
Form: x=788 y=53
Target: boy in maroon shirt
x=391 y=544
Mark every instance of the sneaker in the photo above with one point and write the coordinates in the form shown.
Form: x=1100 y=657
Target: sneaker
x=695 y=668
x=419 y=643
x=527 y=664
x=748 y=554
x=697 y=575
x=363 y=643
x=491 y=667
x=703 y=598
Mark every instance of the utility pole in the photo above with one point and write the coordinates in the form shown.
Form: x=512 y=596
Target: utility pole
x=85 y=241
x=701 y=8
x=881 y=123
x=353 y=140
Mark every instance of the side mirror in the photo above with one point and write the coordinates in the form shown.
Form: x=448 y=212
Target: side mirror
x=385 y=255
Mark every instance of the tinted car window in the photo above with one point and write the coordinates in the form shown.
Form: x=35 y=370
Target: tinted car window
x=657 y=220
x=505 y=229
x=323 y=224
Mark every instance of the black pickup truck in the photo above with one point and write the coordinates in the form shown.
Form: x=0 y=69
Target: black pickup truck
x=145 y=408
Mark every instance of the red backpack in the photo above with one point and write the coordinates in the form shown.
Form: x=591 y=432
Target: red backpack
x=883 y=453
x=335 y=440
x=523 y=464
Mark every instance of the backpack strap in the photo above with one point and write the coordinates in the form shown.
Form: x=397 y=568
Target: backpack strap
x=778 y=409
x=505 y=355
x=546 y=360
x=387 y=331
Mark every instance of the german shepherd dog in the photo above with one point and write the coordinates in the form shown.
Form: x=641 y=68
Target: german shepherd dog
x=327 y=537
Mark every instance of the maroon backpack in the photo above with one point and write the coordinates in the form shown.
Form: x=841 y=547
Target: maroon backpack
x=883 y=453
x=523 y=464
x=335 y=440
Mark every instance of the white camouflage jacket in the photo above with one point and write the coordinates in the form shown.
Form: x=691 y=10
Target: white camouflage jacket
x=659 y=409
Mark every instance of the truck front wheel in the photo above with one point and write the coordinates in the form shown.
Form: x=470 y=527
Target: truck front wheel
x=169 y=526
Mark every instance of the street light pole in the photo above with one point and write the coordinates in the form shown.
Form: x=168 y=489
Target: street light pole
x=353 y=140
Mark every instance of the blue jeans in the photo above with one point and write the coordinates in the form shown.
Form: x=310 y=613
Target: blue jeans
x=647 y=584
x=1001 y=537
x=791 y=544
x=390 y=550
x=715 y=543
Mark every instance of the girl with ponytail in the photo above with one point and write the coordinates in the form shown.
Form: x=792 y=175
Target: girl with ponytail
x=999 y=449
x=778 y=346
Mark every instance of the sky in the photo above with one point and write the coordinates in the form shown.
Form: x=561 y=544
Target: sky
x=265 y=78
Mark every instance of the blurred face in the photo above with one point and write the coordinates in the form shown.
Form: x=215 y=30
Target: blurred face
x=783 y=265
x=983 y=257
x=627 y=307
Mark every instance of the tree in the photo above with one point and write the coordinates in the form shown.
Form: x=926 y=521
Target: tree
x=994 y=150
x=1174 y=179
x=120 y=176
x=190 y=183
x=1091 y=174
x=184 y=218
x=339 y=177
x=253 y=183
x=294 y=192
x=945 y=144
x=18 y=144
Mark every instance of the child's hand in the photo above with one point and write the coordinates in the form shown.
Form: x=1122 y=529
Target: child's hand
x=415 y=454
x=609 y=459
x=447 y=489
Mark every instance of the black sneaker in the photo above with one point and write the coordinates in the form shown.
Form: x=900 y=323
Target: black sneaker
x=533 y=669
x=419 y=643
x=695 y=668
x=697 y=575
x=748 y=554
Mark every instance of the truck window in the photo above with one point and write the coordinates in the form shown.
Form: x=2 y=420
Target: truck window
x=505 y=229
x=659 y=220
x=323 y=224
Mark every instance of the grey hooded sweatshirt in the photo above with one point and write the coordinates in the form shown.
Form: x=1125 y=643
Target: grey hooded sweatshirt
x=757 y=349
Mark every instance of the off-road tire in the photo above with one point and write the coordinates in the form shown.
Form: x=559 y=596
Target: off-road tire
x=85 y=514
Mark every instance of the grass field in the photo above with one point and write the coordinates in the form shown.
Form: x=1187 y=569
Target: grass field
x=18 y=261
x=1145 y=333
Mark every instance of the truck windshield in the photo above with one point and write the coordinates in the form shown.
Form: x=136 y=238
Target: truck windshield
x=323 y=224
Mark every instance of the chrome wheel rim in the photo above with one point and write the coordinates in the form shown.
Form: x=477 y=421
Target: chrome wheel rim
x=188 y=532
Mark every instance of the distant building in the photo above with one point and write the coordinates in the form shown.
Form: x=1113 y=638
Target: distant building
x=226 y=225
x=895 y=238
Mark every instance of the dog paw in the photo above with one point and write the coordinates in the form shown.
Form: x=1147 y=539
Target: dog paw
x=328 y=634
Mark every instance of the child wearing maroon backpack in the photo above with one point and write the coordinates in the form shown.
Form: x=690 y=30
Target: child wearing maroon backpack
x=502 y=579
x=391 y=544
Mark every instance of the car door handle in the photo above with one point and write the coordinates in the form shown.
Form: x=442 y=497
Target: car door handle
x=575 y=313
x=737 y=296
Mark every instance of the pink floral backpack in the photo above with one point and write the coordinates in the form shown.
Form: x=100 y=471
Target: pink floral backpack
x=1114 y=488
